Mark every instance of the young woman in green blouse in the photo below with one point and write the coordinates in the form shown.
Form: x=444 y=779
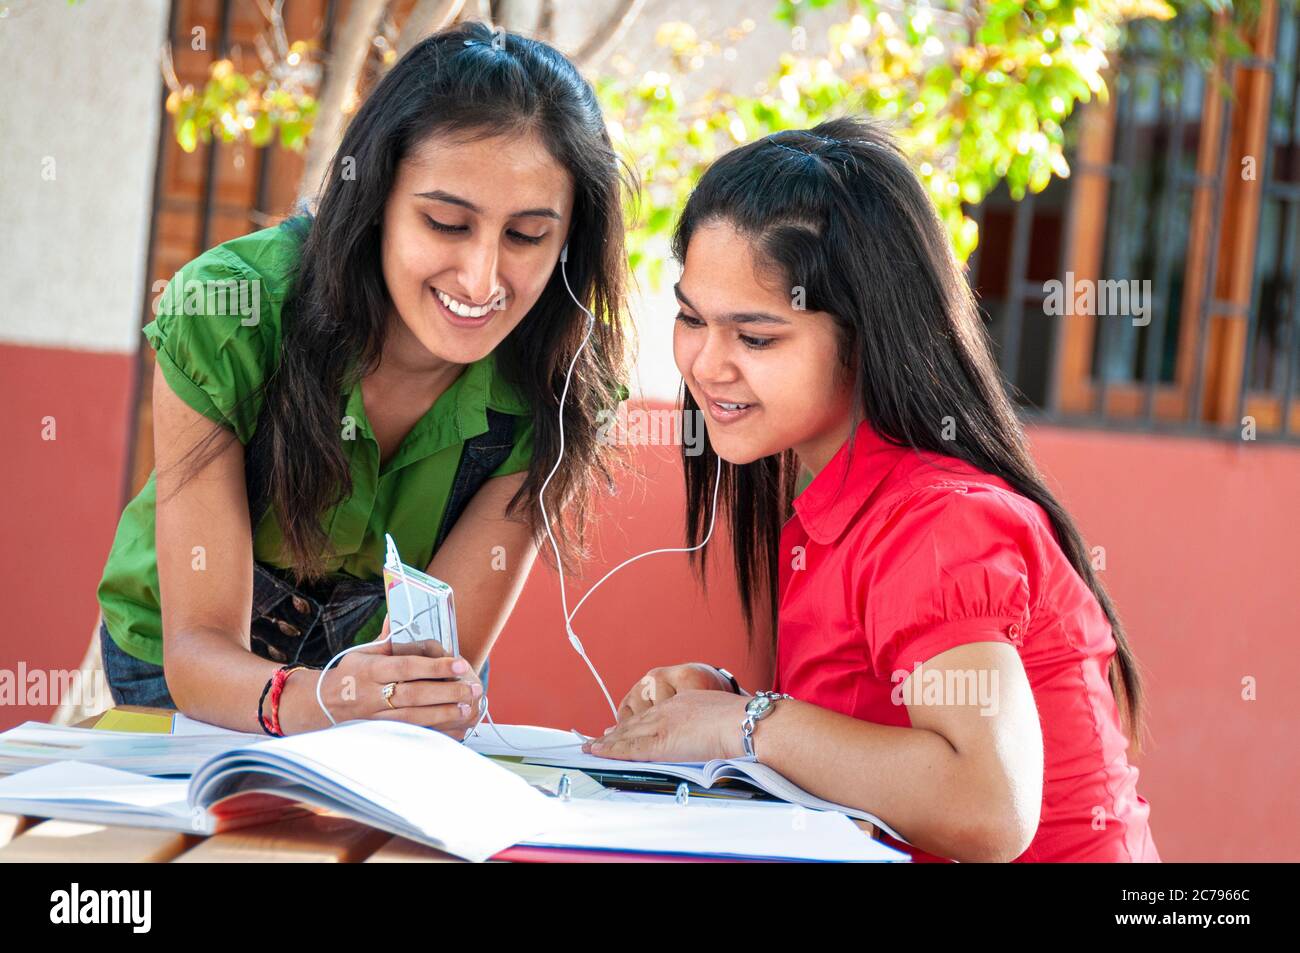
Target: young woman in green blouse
x=390 y=365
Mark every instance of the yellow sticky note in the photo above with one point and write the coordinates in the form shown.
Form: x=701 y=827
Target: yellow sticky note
x=116 y=720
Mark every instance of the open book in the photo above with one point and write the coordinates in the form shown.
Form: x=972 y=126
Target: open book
x=443 y=795
x=422 y=785
x=548 y=746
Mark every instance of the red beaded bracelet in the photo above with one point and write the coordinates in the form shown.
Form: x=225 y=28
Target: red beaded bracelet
x=276 y=691
x=276 y=687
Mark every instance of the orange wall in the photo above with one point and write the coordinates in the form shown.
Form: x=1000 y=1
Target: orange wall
x=60 y=499
x=1200 y=539
x=1199 y=557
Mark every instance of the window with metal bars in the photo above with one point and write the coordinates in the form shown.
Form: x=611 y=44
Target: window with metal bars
x=1185 y=192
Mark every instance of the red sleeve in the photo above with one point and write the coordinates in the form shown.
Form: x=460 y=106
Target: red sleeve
x=951 y=566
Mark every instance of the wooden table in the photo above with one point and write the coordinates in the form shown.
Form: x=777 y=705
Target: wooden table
x=319 y=838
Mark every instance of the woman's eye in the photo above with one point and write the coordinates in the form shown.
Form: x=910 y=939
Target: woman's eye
x=753 y=343
x=438 y=226
x=441 y=227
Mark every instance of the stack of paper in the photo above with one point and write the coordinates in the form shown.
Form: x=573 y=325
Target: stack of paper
x=33 y=744
x=76 y=791
x=740 y=830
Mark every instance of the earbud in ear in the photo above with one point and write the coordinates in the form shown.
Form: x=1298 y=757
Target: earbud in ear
x=564 y=253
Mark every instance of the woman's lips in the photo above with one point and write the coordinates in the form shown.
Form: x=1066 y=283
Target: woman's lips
x=732 y=412
x=464 y=320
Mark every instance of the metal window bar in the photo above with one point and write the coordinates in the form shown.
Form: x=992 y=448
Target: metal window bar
x=1287 y=195
x=1163 y=283
x=1053 y=391
x=1013 y=309
x=1207 y=301
x=1292 y=351
x=1118 y=256
x=1292 y=328
x=1020 y=292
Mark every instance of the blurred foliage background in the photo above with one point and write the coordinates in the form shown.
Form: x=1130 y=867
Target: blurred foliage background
x=978 y=91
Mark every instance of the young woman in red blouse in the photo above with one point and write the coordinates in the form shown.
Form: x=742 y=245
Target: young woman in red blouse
x=948 y=660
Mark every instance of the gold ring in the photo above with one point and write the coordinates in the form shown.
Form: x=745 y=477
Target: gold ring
x=387 y=692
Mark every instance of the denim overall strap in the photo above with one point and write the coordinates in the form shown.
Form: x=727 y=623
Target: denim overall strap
x=480 y=457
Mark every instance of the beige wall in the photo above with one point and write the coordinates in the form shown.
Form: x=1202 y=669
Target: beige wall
x=78 y=134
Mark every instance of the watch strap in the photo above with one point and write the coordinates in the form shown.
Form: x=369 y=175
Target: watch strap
x=752 y=718
x=735 y=685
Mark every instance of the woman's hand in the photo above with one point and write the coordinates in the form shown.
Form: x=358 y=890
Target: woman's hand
x=661 y=684
x=689 y=726
x=430 y=689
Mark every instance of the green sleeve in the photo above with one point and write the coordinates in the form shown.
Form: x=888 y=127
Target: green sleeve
x=522 y=455
x=216 y=332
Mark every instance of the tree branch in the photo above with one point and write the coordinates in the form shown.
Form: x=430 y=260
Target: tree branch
x=427 y=16
x=346 y=61
x=545 y=28
x=607 y=35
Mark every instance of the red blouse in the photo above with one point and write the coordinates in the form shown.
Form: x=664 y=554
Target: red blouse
x=895 y=556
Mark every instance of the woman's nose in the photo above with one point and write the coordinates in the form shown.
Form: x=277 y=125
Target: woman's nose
x=478 y=272
x=712 y=362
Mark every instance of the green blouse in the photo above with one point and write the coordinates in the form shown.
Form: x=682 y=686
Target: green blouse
x=217 y=335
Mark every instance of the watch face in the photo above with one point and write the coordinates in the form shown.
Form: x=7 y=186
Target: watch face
x=758 y=706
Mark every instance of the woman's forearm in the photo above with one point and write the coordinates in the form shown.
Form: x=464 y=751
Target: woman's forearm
x=912 y=778
x=214 y=679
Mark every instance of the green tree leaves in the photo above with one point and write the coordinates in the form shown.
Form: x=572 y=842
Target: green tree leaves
x=976 y=92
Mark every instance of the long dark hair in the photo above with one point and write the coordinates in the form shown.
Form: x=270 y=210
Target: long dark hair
x=838 y=211
x=468 y=81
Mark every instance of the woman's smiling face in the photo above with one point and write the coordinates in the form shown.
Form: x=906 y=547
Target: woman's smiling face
x=471 y=234
x=766 y=374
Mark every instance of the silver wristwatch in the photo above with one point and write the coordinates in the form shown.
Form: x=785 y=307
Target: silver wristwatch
x=757 y=708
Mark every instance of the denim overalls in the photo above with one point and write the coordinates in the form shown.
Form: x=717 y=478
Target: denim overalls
x=309 y=625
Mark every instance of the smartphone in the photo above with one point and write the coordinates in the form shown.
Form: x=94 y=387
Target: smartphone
x=421 y=609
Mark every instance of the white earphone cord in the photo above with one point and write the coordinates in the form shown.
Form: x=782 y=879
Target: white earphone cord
x=555 y=548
